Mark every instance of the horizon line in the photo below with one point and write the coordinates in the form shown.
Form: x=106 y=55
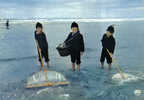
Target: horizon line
x=72 y=19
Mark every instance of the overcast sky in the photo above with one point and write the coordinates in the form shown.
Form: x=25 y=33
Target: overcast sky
x=71 y=8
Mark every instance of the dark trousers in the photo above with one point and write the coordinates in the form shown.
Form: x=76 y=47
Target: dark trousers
x=44 y=54
x=105 y=54
x=75 y=57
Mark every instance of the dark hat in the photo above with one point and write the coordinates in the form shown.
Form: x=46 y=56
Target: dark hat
x=38 y=24
x=110 y=29
x=74 y=24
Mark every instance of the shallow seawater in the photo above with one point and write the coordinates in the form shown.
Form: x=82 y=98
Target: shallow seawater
x=18 y=61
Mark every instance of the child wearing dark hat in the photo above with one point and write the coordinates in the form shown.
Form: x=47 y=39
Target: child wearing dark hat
x=76 y=45
x=108 y=43
x=41 y=40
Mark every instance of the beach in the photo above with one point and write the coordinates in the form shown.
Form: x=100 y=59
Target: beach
x=19 y=60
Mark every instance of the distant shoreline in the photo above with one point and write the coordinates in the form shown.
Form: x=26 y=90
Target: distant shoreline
x=70 y=20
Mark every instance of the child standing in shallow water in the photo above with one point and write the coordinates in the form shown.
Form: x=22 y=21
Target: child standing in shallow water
x=108 y=43
x=76 y=45
x=42 y=43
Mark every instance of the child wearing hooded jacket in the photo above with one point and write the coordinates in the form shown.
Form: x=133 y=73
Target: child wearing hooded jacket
x=108 y=44
x=42 y=43
x=76 y=45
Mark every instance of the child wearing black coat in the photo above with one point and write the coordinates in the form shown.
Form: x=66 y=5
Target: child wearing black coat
x=108 y=43
x=42 y=43
x=76 y=45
